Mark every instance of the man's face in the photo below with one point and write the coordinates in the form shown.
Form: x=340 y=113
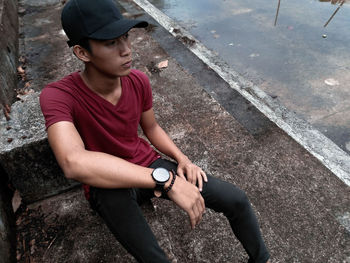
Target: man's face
x=111 y=57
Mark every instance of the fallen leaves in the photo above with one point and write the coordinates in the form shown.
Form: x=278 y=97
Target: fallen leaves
x=16 y=201
x=36 y=233
x=21 y=73
x=163 y=64
x=331 y=82
x=213 y=32
x=156 y=68
x=186 y=40
x=7 y=111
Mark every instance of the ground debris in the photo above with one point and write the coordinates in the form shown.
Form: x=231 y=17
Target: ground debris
x=24 y=91
x=176 y=30
x=16 y=201
x=150 y=28
x=152 y=67
x=35 y=233
x=21 y=73
x=7 y=111
x=186 y=40
x=331 y=82
x=163 y=64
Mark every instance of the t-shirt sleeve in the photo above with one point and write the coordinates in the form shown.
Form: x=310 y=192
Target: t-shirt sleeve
x=56 y=105
x=147 y=91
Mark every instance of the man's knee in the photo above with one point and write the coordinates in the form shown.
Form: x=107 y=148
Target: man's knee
x=238 y=201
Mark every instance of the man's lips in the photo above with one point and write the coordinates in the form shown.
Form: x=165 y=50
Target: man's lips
x=127 y=64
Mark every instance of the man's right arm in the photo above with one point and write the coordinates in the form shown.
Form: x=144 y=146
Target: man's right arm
x=94 y=168
x=107 y=171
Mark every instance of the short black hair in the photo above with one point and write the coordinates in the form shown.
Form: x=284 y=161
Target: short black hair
x=85 y=43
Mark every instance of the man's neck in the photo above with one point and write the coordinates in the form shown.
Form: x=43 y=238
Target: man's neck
x=102 y=85
x=108 y=88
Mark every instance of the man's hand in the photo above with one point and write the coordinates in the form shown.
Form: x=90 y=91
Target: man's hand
x=194 y=174
x=188 y=197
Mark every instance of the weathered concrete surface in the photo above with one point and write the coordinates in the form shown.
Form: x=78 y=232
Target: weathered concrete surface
x=24 y=151
x=297 y=200
x=8 y=84
x=6 y=246
x=7 y=225
x=8 y=51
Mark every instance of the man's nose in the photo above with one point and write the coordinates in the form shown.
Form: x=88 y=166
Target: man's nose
x=125 y=48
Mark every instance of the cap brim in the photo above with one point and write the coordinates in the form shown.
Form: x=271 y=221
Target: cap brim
x=117 y=29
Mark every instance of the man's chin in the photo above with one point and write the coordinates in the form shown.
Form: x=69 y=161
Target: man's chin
x=125 y=72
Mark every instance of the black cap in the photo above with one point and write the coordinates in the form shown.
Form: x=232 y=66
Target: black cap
x=96 y=19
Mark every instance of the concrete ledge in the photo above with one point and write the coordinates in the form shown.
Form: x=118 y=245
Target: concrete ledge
x=8 y=50
x=8 y=83
x=7 y=237
x=25 y=153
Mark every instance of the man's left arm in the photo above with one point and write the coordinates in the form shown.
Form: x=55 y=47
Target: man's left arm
x=160 y=139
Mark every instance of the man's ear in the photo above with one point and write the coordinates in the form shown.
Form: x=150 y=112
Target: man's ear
x=81 y=53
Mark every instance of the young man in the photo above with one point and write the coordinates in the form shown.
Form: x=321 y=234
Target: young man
x=92 y=119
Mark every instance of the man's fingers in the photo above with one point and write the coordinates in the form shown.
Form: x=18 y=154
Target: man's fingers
x=192 y=219
x=201 y=211
x=194 y=178
x=197 y=215
x=196 y=211
x=181 y=174
x=200 y=183
x=203 y=204
x=204 y=176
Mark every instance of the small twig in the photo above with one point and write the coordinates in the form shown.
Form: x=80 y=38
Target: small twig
x=53 y=240
x=329 y=20
x=278 y=9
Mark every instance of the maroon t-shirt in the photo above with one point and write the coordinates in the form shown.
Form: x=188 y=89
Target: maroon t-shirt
x=103 y=127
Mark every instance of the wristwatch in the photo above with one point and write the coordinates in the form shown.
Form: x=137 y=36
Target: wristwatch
x=160 y=176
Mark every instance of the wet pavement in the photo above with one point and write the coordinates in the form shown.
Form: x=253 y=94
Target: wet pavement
x=302 y=207
x=299 y=62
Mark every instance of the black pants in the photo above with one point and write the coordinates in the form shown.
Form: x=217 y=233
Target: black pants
x=120 y=210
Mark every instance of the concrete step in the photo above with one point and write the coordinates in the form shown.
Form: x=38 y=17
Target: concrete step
x=8 y=51
x=24 y=150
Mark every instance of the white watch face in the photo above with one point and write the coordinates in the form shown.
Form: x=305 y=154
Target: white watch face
x=161 y=175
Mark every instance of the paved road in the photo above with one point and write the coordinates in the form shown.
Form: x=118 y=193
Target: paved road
x=299 y=62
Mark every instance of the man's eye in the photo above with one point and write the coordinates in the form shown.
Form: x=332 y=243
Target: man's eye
x=111 y=43
x=126 y=35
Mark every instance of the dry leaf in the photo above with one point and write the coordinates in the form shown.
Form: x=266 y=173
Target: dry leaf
x=16 y=201
x=7 y=111
x=163 y=64
x=20 y=70
x=331 y=82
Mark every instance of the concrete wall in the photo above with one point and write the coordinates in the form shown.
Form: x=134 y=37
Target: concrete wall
x=8 y=50
x=8 y=83
x=7 y=237
x=25 y=154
